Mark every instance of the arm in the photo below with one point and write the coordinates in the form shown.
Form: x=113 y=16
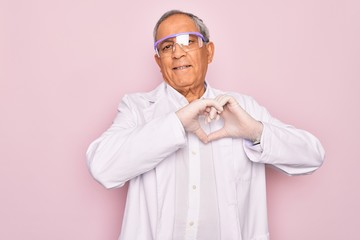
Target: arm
x=129 y=147
x=291 y=150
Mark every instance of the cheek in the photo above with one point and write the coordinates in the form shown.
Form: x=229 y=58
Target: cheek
x=204 y=61
x=165 y=68
x=204 y=58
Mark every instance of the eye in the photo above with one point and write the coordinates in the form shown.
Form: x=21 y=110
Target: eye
x=166 y=47
x=192 y=40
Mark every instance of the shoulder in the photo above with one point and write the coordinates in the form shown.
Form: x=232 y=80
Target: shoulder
x=145 y=98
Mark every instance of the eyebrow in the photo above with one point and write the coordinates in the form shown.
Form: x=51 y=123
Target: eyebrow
x=167 y=40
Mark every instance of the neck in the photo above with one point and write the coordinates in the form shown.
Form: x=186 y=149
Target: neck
x=192 y=94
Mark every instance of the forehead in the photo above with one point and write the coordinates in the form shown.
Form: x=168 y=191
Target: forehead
x=176 y=24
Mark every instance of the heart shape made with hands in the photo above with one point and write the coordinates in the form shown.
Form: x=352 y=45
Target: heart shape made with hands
x=237 y=122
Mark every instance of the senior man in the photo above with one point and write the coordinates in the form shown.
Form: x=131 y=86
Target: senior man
x=194 y=156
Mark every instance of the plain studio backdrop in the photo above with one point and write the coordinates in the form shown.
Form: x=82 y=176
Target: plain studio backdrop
x=65 y=65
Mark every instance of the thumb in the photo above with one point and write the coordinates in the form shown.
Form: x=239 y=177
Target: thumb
x=221 y=133
x=201 y=135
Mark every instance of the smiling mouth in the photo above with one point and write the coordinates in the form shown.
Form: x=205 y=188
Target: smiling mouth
x=181 y=67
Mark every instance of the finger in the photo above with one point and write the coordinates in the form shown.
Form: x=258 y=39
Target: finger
x=221 y=133
x=223 y=99
x=217 y=117
x=213 y=103
x=201 y=135
x=212 y=114
x=208 y=109
x=206 y=113
x=219 y=97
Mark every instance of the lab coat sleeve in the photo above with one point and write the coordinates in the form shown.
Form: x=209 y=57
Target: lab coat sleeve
x=131 y=146
x=291 y=150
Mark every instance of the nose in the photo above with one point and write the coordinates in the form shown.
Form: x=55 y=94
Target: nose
x=178 y=51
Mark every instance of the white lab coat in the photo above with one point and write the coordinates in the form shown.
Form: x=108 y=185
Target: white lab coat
x=139 y=147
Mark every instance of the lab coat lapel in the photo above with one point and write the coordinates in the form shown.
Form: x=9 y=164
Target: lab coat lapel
x=160 y=105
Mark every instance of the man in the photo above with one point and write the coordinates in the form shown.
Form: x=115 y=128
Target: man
x=194 y=156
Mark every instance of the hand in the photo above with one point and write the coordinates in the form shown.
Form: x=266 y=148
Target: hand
x=189 y=115
x=237 y=122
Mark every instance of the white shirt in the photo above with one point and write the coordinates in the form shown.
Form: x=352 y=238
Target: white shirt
x=196 y=207
x=142 y=145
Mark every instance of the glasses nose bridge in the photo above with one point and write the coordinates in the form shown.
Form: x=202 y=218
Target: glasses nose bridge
x=174 y=49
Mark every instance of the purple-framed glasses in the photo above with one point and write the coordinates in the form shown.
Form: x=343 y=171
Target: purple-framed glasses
x=186 y=40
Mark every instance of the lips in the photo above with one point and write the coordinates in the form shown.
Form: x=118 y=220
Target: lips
x=181 y=67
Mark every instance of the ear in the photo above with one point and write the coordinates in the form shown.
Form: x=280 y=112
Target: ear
x=210 y=47
x=157 y=60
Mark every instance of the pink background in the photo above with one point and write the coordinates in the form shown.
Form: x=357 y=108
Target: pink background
x=65 y=65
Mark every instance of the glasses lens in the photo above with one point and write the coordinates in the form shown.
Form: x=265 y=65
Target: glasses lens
x=186 y=41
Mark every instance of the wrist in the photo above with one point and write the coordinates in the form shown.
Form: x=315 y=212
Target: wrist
x=257 y=133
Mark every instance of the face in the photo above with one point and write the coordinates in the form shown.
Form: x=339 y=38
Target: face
x=184 y=71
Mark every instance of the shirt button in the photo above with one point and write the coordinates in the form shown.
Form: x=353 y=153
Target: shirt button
x=193 y=152
x=191 y=223
x=194 y=187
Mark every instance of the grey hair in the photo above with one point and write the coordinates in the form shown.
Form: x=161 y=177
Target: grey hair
x=198 y=23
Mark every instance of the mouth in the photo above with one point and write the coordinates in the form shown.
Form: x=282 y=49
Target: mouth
x=182 y=67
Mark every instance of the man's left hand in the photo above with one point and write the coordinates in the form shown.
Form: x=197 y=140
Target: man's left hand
x=237 y=122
